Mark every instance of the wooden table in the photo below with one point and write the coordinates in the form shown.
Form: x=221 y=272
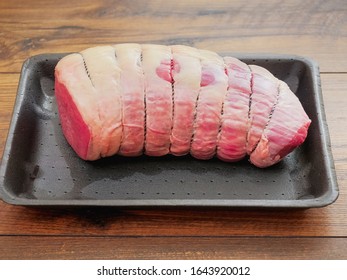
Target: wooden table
x=317 y=29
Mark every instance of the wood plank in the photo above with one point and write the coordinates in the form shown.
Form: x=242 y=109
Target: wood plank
x=169 y=222
x=8 y=91
x=60 y=247
x=329 y=221
x=334 y=95
x=294 y=27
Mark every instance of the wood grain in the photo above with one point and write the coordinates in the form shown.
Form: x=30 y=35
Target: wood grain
x=60 y=247
x=8 y=91
x=316 y=29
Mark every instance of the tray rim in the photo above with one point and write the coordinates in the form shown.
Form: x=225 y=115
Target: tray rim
x=328 y=198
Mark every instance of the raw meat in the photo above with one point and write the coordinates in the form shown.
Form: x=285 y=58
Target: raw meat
x=186 y=75
x=286 y=129
x=263 y=98
x=100 y=63
x=133 y=99
x=213 y=88
x=86 y=111
x=156 y=64
x=132 y=84
x=235 y=119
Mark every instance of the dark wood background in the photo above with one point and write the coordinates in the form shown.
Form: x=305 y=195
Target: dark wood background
x=317 y=29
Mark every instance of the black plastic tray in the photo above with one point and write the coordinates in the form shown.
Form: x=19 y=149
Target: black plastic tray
x=40 y=168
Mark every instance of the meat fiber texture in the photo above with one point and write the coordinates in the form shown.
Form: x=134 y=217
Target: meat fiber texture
x=132 y=99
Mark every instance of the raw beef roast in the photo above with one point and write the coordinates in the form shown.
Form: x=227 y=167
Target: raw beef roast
x=132 y=99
